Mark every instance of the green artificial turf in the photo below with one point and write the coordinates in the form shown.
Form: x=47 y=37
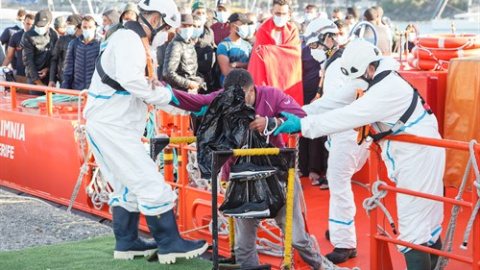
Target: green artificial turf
x=89 y=254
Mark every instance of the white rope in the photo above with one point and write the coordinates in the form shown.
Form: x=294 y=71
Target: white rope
x=374 y=201
x=98 y=190
x=80 y=135
x=476 y=183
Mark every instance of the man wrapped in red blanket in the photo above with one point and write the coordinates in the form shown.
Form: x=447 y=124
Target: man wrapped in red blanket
x=276 y=56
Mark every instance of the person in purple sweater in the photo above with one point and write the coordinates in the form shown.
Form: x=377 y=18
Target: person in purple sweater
x=268 y=102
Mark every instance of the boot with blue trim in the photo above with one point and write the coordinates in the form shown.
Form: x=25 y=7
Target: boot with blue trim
x=170 y=244
x=128 y=244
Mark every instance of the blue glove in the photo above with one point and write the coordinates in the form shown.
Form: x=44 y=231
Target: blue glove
x=202 y=111
x=291 y=125
x=174 y=98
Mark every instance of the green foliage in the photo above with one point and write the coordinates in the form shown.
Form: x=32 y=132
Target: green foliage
x=89 y=254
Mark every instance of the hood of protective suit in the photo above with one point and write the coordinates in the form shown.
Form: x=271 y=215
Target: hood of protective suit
x=387 y=63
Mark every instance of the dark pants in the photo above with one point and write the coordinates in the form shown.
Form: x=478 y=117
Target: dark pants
x=313 y=156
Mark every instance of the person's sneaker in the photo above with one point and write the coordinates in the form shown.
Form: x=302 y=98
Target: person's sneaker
x=249 y=210
x=323 y=182
x=340 y=255
x=257 y=176
x=247 y=169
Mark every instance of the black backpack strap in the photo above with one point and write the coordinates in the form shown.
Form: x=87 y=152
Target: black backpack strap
x=401 y=122
x=334 y=57
x=104 y=77
x=138 y=29
x=408 y=113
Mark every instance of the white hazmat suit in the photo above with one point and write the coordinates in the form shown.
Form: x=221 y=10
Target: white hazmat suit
x=410 y=166
x=345 y=156
x=116 y=122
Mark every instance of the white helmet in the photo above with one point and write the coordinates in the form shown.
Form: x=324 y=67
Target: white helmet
x=167 y=8
x=317 y=28
x=357 y=56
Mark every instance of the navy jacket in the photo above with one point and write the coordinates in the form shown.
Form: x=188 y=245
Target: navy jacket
x=80 y=63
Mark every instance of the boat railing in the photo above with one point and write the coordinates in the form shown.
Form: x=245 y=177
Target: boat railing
x=379 y=240
x=49 y=91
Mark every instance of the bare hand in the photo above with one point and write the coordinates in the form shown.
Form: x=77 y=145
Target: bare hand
x=52 y=84
x=317 y=96
x=193 y=85
x=43 y=73
x=258 y=124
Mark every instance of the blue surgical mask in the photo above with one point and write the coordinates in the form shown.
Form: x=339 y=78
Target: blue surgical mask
x=41 y=30
x=197 y=32
x=222 y=16
x=88 y=33
x=280 y=21
x=243 y=31
x=70 y=30
x=19 y=24
x=186 y=33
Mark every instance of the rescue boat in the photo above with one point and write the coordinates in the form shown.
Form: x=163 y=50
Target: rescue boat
x=43 y=153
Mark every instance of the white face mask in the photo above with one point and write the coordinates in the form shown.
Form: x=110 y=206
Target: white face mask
x=243 y=31
x=310 y=16
x=41 y=30
x=342 y=40
x=360 y=84
x=70 y=30
x=203 y=19
x=280 y=21
x=222 y=16
x=251 y=30
x=159 y=39
x=88 y=33
x=186 y=33
x=318 y=55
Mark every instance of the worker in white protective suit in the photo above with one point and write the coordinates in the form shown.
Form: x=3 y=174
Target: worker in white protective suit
x=116 y=114
x=345 y=156
x=392 y=107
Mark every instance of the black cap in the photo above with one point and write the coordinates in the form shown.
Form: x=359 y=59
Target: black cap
x=186 y=19
x=224 y=3
x=235 y=17
x=43 y=17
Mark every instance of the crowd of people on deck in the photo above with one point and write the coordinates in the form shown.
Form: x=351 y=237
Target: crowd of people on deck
x=299 y=75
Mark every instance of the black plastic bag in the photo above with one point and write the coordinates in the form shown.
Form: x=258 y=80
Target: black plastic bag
x=270 y=189
x=224 y=126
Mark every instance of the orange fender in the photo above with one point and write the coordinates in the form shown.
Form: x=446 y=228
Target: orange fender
x=426 y=64
x=440 y=54
x=450 y=41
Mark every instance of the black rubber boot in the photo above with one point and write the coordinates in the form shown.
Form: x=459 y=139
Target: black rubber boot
x=170 y=244
x=417 y=260
x=433 y=257
x=340 y=255
x=128 y=244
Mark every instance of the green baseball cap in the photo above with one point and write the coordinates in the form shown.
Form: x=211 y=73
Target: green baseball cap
x=197 y=5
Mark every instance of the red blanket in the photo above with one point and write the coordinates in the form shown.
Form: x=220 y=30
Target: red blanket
x=278 y=65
